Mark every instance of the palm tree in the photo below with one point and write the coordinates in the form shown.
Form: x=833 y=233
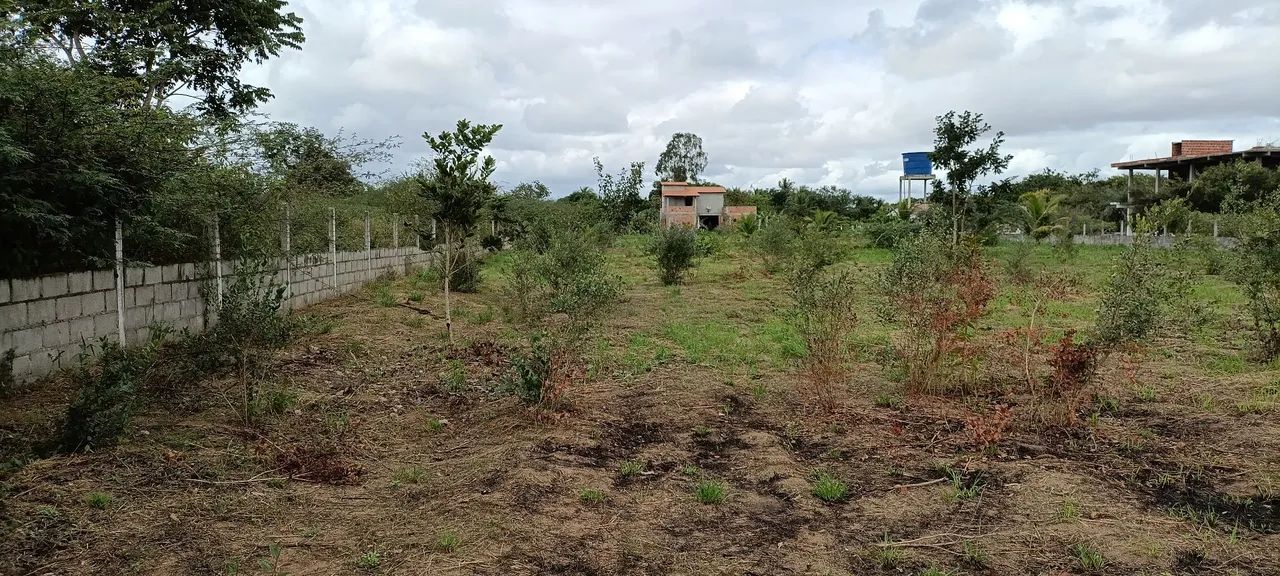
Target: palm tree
x=1039 y=212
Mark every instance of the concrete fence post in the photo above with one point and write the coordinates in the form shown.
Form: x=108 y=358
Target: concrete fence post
x=286 y=244
x=217 y=261
x=395 y=231
x=368 y=243
x=433 y=232
x=120 y=281
x=417 y=232
x=1215 y=227
x=333 y=248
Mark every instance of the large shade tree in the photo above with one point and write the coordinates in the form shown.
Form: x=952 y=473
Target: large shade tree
x=683 y=160
x=193 y=48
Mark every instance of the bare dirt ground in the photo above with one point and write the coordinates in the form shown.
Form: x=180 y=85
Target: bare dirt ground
x=400 y=456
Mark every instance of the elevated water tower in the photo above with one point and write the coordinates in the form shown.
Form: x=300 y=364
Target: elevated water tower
x=916 y=167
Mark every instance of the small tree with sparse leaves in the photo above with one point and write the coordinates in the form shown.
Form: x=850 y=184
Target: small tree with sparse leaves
x=456 y=187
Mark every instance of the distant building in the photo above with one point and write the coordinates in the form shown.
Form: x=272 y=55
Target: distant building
x=1191 y=157
x=694 y=206
x=1188 y=158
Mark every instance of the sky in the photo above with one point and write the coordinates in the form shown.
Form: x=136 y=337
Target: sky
x=820 y=92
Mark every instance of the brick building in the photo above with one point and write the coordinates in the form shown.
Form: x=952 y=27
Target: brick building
x=694 y=206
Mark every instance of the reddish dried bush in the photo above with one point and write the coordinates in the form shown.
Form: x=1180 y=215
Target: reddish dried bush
x=987 y=430
x=318 y=465
x=938 y=294
x=1073 y=365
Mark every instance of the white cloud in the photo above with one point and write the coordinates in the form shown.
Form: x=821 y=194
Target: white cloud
x=816 y=91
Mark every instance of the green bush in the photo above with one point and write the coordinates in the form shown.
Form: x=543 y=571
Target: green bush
x=1255 y=267
x=775 y=244
x=708 y=244
x=749 y=225
x=1132 y=297
x=491 y=243
x=251 y=325
x=7 y=381
x=674 y=249
x=103 y=408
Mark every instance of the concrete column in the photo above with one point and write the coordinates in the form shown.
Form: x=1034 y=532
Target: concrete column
x=333 y=249
x=217 y=261
x=120 y=281
x=286 y=244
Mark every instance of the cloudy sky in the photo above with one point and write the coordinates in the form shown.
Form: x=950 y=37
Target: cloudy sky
x=822 y=92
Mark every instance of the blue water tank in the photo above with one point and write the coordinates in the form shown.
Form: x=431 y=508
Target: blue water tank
x=916 y=164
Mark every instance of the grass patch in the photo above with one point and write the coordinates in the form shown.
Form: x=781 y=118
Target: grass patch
x=591 y=496
x=98 y=500
x=630 y=468
x=828 y=488
x=711 y=492
x=447 y=542
x=1087 y=557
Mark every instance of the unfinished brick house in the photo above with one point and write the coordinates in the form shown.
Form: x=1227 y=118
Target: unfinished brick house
x=694 y=206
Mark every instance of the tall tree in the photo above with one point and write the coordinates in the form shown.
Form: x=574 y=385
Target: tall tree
x=535 y=190
x=308 y=160
x=164 y=47
x=953 y=137
x=457 y=187
x=683 y=160
x=620 y=195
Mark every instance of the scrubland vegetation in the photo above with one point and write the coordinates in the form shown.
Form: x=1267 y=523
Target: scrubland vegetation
x=835 y=386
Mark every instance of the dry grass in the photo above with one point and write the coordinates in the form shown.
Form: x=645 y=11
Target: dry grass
x=460 y=479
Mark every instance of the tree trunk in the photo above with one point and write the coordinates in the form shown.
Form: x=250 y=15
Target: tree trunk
x=448 y=276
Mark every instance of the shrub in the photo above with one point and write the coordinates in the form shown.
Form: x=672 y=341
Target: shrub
x=524 y=290
x=707 y=244
x=7 y=381
x=1073 y=364
x=987 y=430
x=749 y=225
x=824 y=313
x=775 y=244
x=251 y=325
x=103 y=408
x=889 y=231
x=938 y=293
x=1255 y=267
x=674 y=249
x=568 y=277
x=541 y=375
x=1131 y=299
x=491 y=243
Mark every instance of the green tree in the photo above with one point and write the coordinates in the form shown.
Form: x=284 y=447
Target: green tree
x=164 y=48
x=954 y=136
x=683 y=160
x=1039 y=211
x=620 y=195
x=456 y=187
x=531 y=191
x=306 y=159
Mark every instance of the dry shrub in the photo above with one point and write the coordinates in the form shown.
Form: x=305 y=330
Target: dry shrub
x=1073 y=365
x=824 y=314
x=987 y=430
x=318 y=464
x=542 y=376
x=938 y=294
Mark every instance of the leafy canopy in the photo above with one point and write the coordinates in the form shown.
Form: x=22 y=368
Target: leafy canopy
x=683 y=160
x=457 y=185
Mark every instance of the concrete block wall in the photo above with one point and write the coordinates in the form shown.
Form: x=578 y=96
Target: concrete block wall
x=47 y=320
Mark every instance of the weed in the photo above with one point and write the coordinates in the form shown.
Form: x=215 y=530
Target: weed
x=1073 y=364
x=935 y=571
x=382 y=295
x=7 y=381
x=448 y=541
x=1087 y=557
x=884 y=400
x=710 y=492
x=1147 y=394
x=974 y=554
x=759 y=391
x=416 y=296
x=824 y=313
x=1068 y=511
x=959 y=488
x=886 y=555
x=273 y=401
x=435 y=424
x=987 y=430
x=370 y=560
x=272 y=562
x=690 y=470
x=630 y=468
x=542 y=375
x=455 y=380
x=410 y=475
x=702 y=431
x=591 y=496
x=98 y=500
x=828 y=488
